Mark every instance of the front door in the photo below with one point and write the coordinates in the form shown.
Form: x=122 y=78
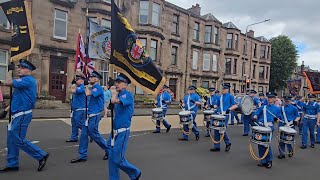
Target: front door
x=58 y=77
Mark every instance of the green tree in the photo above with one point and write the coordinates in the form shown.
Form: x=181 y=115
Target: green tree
x=284 y=56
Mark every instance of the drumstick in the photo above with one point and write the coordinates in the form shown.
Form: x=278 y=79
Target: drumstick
x=273 y=114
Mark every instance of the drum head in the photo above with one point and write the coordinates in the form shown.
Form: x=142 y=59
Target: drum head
x=184 y=113
x=218 y=117
x=157 y=110
x=287 y=129
x=247 y=105
x=208 y=112
x=261 y=129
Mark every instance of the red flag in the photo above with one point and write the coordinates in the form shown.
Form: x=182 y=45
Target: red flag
x=81 y=58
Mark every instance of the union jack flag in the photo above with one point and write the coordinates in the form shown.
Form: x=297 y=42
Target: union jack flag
x=81 y=58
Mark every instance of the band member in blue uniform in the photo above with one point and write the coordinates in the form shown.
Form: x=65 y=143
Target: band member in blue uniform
x=234 y=115
x=225 y=105
x=299 y=103
x=123 y=102
x=78 y=106
x=23 y=100
x=310 y=115
x=163 y=99
x=273 y=114
x=247 y=119
x=91 y=125
x=290 y=116
x=211 y=104
x=262 y=99
x=190 y=103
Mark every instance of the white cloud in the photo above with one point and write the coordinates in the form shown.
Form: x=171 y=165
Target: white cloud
x=299 y=20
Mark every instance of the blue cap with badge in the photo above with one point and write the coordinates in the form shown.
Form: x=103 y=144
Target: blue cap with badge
x=123 y=78
x=26 y=64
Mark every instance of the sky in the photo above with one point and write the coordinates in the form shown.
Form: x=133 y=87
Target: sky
x=300 y=20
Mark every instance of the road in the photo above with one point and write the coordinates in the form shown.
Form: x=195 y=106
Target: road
x=159 y=156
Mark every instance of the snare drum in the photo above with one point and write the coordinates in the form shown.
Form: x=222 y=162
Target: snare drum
x=207 y=114
x=185 y=117
x=218 y=121
x=261 y=135
x=287 y=134
x=157 y=113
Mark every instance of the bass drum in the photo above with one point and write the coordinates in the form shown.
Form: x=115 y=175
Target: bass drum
x=247 y=105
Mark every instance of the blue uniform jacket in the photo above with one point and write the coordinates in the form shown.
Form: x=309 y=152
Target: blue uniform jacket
x=96 y=100
x=24 y=94
x=227 y=100
x=165 y=97
x=256 y=101
x=300 y=105
x=213 y=100
x=311 y=108
x=123 y=112
x=188 y=104
x=291 y=112
x=79 y=98
x=270 y=118
x=264 y=101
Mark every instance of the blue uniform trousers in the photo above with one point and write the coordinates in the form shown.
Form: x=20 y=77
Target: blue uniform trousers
x=234 y=115
x=93 y=132
x=262 y=150
x=217 y=135
x=77 y=120
x=282 y=146
x=165 y=123
x=300 y=123
x=16 y=140
x=117 y=159
x=194 y=128
x=308 y=124
x=247 y=120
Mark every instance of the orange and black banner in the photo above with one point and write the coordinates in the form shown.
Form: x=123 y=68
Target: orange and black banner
x=129 y=56
x=313 y=79
x=19 y=16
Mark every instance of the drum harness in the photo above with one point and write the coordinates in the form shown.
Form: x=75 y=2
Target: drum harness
x=268 y=145
x=288 y=124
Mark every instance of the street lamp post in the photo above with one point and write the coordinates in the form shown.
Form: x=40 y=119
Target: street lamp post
x=246 y=44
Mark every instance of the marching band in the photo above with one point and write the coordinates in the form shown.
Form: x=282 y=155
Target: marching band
x=259 y=114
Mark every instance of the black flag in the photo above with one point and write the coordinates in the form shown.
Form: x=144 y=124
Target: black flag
x=130 y=58
x=19 y=16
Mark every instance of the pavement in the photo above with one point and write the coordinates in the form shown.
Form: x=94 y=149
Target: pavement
x=159 y=156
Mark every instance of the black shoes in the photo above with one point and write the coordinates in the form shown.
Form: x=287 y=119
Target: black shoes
x=168 y=129
x=281 y=156
x=303 y=147
x=77 y=160
x=269 y=165
x=42 y=162
x=290 y=153
x=91 y=140
x=198 y=137
x=261 y=164
x=138 y=177
x=245 y=135
x=182 y=139
x=215 y=149
x=228 y=147
x=69 y=140
x=207 y=135
x=9 y=169
x=156 y=132
x=312 y=146
x=106 y=156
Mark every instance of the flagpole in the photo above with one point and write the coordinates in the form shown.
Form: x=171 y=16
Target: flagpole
x=112 y=105
x=11 y=67
x=86 y=61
